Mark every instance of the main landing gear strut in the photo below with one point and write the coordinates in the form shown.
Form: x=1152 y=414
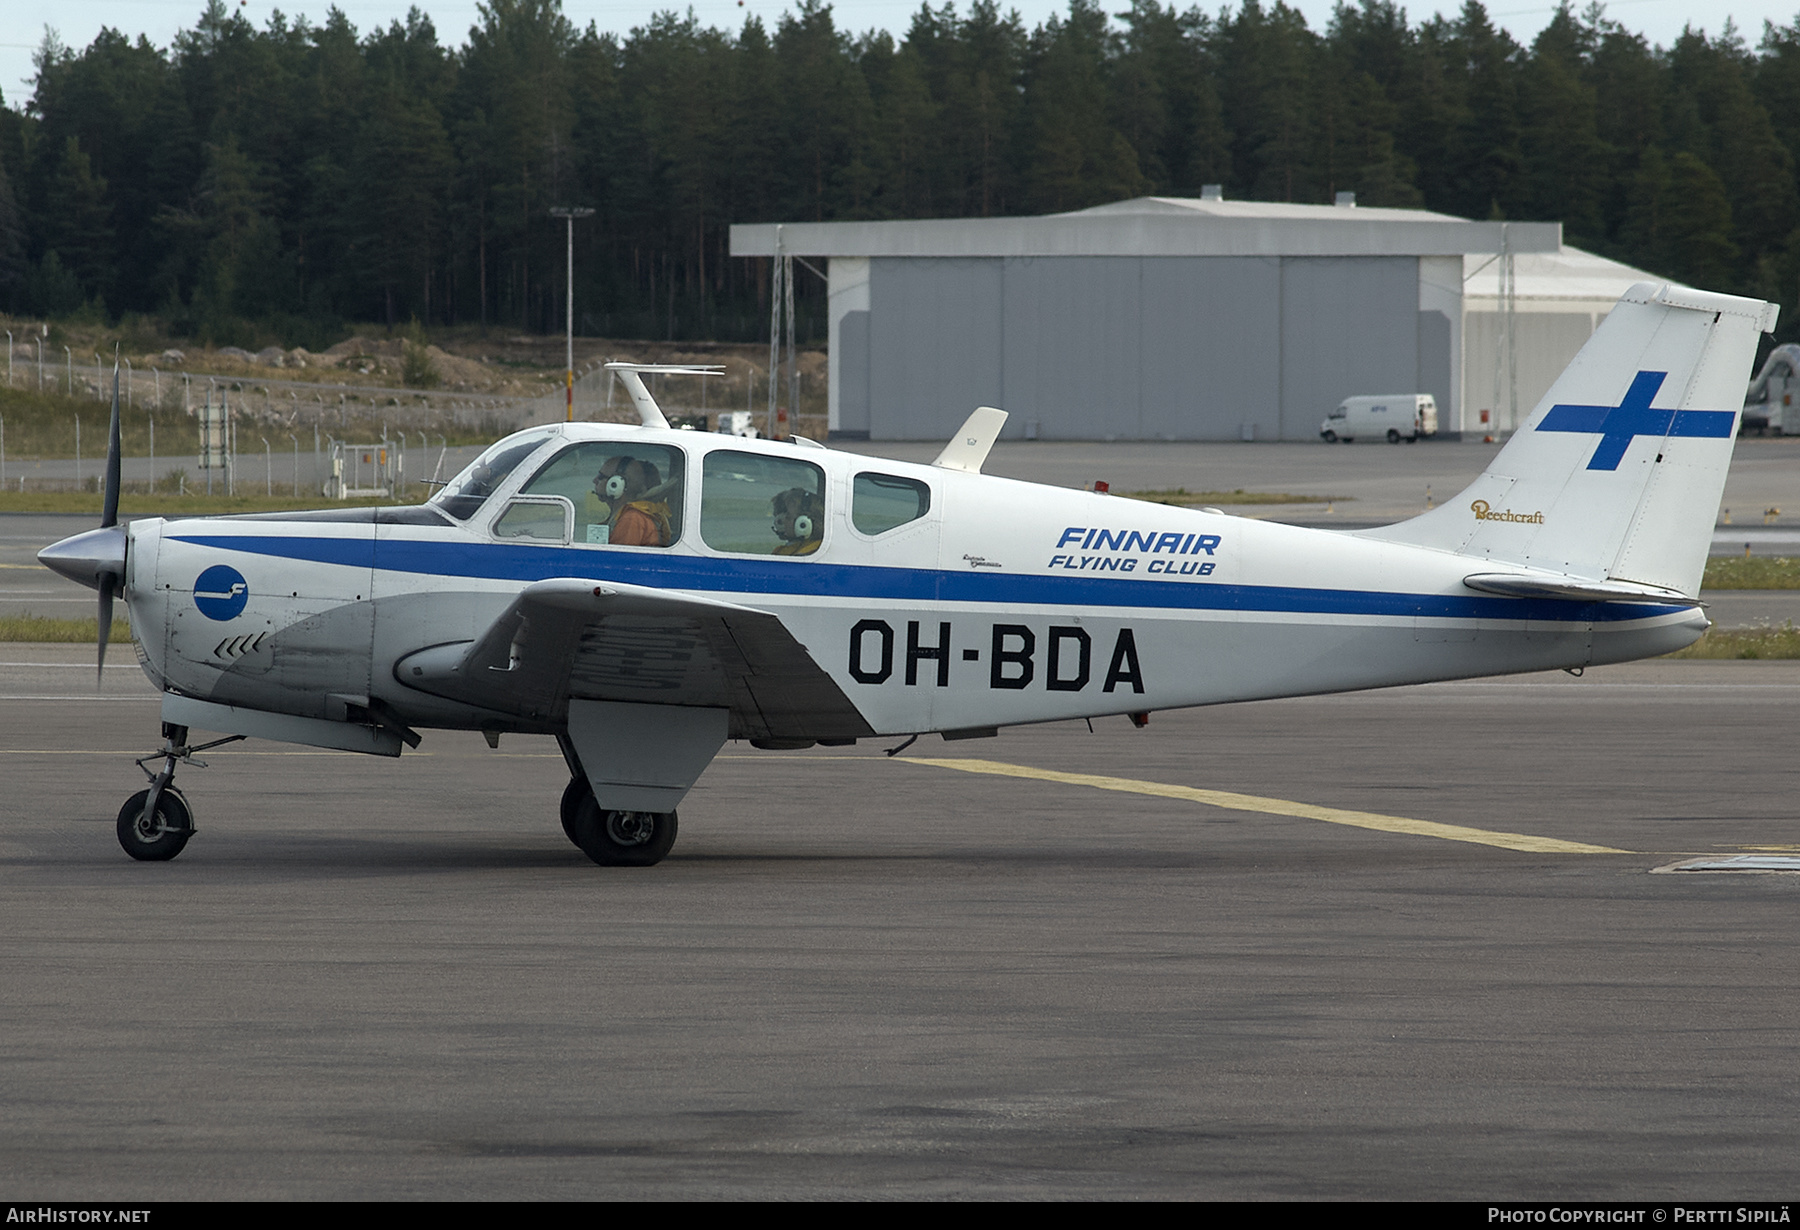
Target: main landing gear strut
x=155 y=824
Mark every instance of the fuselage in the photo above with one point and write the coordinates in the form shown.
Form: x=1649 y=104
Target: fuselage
x=935 y=599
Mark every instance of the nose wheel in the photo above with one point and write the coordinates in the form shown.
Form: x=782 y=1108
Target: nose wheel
x=615 y=838
x=155 y=824
x=155 y=834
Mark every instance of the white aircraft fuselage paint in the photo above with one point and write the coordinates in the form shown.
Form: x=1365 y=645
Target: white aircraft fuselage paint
x=1007 y=603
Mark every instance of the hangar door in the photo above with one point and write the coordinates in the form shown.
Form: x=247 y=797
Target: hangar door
x=1349 y=326
x=934 y=345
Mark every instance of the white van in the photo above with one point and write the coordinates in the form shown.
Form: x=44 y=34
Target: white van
x=1396 y=417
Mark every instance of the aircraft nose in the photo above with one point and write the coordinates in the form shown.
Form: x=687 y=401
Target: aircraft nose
x=86 y=557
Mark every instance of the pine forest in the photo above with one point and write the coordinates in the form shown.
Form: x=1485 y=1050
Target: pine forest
x=246 y=185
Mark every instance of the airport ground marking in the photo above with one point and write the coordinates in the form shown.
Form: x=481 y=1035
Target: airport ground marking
x=1523 y=842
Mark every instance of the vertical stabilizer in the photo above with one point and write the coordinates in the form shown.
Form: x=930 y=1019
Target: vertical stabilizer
x=1618 y=472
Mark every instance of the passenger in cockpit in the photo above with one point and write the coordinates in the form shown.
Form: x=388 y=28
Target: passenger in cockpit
x=798 y=521
x=632 y=498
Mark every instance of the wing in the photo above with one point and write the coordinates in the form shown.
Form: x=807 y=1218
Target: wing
x=569 y=637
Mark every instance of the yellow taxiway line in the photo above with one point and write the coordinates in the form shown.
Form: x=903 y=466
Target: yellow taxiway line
x=1277 y=807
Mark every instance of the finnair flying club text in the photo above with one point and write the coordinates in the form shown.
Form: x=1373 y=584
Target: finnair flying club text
x=1124 y=550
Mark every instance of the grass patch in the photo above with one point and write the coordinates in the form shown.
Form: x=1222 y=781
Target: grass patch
x=1182 y=497
x=1752 y=572
x=42 y=628
x=1744 y=644
x=40 y=425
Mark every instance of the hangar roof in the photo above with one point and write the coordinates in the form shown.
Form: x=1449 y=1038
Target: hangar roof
x=1570 y=279
x=1159 y=226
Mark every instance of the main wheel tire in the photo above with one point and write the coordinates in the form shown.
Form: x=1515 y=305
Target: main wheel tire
x=165 y=836
x=573 y=793
x=622 y=838
x=1393 y=436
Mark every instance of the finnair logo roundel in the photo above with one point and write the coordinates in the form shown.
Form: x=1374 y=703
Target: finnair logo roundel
x=220 y=592
x=1618 y=425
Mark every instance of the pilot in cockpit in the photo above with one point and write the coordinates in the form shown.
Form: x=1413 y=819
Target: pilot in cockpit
x=632 y=499
x=798 y=520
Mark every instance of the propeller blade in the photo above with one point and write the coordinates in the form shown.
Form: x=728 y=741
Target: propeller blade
x=107 y=583
x=109 y=512
x=109 y=517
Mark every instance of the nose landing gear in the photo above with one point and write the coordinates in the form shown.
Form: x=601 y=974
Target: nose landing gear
x=155 y=824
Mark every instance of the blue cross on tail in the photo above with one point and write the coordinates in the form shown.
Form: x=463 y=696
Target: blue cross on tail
x=1617 y=425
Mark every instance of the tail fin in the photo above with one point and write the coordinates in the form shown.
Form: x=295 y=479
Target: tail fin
x=1618 y=472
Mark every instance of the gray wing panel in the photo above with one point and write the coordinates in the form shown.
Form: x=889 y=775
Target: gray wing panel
x=571 y=637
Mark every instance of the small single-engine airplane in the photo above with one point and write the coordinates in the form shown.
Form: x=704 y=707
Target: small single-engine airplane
x=644 y=594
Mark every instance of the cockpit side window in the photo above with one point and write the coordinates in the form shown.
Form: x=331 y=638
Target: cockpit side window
x=882 y=502
x=752 y=504
x=469 y=490
x=624 y=494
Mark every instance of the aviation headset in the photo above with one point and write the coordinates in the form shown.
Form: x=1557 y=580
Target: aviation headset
x=614 y=487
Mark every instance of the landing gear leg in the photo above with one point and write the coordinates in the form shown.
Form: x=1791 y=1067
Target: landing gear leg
x=155 y=824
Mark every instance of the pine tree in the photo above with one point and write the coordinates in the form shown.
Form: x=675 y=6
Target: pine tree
x=78 y=226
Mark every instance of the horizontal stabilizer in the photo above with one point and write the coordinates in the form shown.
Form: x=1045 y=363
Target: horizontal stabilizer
x=1573 y=589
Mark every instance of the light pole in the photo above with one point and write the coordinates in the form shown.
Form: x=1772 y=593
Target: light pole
x=569 y=213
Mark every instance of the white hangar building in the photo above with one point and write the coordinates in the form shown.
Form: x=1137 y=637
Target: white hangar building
x=1177 y=319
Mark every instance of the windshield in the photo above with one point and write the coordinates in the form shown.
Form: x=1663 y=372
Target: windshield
x=470 y=489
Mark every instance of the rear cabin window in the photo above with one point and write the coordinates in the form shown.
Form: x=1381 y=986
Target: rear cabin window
x=751 y=504
x=627 y=495
x=882 y=502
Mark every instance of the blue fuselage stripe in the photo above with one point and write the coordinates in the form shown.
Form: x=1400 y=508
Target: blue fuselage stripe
x=813 y=578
